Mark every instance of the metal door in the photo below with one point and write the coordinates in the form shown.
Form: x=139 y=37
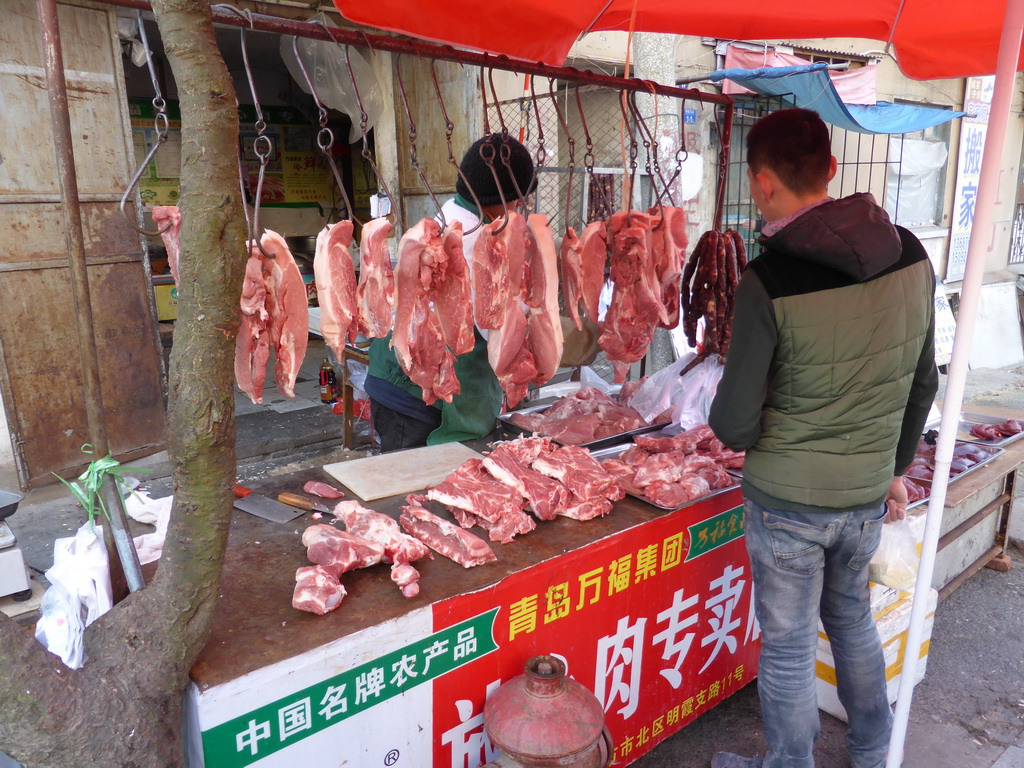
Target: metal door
x=40 y=370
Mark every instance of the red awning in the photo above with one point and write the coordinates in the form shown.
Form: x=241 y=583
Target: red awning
x=933 y=38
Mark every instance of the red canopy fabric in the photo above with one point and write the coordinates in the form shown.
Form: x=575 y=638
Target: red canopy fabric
x=933 y=38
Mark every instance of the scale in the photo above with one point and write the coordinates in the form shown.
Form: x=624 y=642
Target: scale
x=14 y=576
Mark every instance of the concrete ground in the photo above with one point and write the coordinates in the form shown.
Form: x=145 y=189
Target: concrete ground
x=967 y=713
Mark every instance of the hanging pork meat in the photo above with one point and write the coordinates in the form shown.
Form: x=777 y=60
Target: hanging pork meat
x=375 y=294
x=669 y=241
x=498 y=266
x=169 y=216
x=335 y=277
x=430 y=267
x=274 y=315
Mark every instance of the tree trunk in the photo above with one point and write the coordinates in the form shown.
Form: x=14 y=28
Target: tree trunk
x=123 y=707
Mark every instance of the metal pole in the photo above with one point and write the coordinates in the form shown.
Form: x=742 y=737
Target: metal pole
x=60 y=118
x=1006 y=67
x=265 y=23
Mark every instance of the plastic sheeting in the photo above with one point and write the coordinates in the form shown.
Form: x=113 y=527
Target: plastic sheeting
x=811 y=88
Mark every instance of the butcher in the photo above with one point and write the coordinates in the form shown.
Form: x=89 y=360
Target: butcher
x=400 y=417
x=827 y=387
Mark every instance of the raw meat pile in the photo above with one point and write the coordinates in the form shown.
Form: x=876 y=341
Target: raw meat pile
x=586 y=415
x=1008 y=428
x=274 y=315
x=915 y=492
x=715 y=268
x=370 y=538
x=515 y=296
x=965 y=456
x=552 y=480
x=672 y=471
x=433 y=321
x=647 y=253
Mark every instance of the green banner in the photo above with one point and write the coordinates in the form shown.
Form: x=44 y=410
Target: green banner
x=714 y=532
x=272 y=727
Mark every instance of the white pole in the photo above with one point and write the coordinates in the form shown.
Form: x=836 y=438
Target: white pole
x=1006 y=67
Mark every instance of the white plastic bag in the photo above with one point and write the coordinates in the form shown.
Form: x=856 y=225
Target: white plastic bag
x=689 y=396
x=139 y=506
x=79 y=593
x=656 y=394
x=896 y=560
x=591 y=378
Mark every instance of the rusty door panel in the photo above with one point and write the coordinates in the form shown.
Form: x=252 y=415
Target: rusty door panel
x=40 y=344
x=28 y=166
x=35 y=232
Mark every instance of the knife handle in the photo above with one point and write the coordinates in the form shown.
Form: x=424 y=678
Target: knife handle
x=241 y=491
x=294 y=500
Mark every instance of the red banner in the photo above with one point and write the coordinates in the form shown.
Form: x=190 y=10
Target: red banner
x=656 y=620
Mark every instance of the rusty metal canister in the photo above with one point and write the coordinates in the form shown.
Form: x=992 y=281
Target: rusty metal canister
x=542 y=719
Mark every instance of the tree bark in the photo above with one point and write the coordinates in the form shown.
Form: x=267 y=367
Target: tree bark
x=124 y=706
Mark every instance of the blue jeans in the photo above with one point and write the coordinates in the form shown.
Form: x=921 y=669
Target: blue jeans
x=806 y=564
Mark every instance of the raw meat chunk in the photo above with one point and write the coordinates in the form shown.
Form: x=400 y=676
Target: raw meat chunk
x=323 y=490
x=593 y=258
x=498 y=263
x=379 y=528
x=444 y=538
x=572 y=274
x=375 y=294
x=339 y=550
x=335 y=277
x=580 y=472
x=452 y=296
x=406 y=578
x=472 y=488
x=162 y=216
x=317 y=590
x=545 y=495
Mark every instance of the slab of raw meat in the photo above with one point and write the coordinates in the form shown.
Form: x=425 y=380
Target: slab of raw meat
x=252 y=346
x=382 y=529
x=683 y=442
x=502 y=530
x=375 y=293
x=629 y=388
x=529 y=421
x=572 y=275
x=585 y=415
x=472 y=488
x=670 y=467
x=593 y=259
x=498 y=263
x=528 y=449
x=579 y=472
x=572 y=430
x=317 y=590
x=586 y=509
x=915 y=492
x=339 y=550
x=418 y=340
x=162 y=216
x=669 y=241
x=510 y=356
x=688 y=488
x=544 y=494
x=583 y=400
x=335 y=277
x=624 y=472
x=452 y=294
x=289 y=311
x=636 y=306
x=443 y=537
x=545 y=328
x=323 y=490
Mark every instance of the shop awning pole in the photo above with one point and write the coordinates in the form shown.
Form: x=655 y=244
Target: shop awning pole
x=1006 y=68
x=60 y=119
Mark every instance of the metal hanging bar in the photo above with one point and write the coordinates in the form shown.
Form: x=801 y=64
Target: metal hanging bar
x=160 y=125
x=412 y=143
x=325 y=136
x=449 y=128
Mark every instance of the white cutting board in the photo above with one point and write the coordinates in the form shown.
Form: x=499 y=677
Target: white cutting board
x=400 y=472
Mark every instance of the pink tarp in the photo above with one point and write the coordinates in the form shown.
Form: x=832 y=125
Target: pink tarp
x=854 y=86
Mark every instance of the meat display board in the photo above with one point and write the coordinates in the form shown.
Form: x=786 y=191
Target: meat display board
x=656 y=620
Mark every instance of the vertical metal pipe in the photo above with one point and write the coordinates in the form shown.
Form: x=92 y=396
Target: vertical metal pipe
x=1009 y=49
x=60 y=118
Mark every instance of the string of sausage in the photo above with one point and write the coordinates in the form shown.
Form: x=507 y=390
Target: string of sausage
x=714 y=268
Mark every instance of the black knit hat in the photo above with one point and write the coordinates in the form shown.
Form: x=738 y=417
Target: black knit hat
x=474 y=167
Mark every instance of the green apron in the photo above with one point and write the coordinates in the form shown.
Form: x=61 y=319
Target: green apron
x=471 y=413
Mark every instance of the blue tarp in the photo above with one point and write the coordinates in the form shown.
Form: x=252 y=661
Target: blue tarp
x=810 y=87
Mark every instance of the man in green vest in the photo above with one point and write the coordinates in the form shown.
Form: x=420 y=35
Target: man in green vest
x=400 y=417
x=827 y=387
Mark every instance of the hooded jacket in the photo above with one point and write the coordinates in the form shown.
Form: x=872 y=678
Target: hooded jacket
x=831 y=369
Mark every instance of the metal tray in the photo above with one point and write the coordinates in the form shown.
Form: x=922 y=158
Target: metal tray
x=593 y=445
x=616 y=450
x=968 y=420
x=993 y=451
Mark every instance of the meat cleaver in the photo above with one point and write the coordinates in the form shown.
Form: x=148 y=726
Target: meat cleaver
x=266 y=508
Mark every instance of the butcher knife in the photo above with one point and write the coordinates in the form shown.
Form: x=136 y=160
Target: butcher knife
x=266 y=508
x=294 y=500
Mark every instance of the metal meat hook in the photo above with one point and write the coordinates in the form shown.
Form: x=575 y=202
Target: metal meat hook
x=449 y=129
x=488 y=158
x=325 y=137
x=572 y=150
x=412 y=143
x=159 y=126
